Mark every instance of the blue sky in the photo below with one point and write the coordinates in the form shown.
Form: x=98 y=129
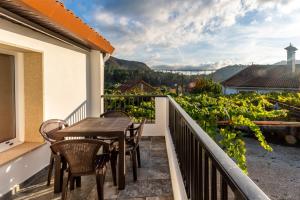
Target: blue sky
x=195 y=32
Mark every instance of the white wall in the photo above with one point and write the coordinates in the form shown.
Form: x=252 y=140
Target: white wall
x=161 y=120
x=228 y=90
x=64 y=68
x=96 y=82
x=19 y=170
x=179 y=192
x=64 y=71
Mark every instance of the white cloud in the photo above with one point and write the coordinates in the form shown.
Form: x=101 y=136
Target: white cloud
x=123 y=21
x=269 y=19
x=177 y=31
x=105 y=17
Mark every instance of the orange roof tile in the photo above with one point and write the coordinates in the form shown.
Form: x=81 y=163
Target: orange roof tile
x=56 y=12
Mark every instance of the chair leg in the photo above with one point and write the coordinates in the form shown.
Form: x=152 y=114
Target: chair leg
x=57 y=174
x=113 y=164
x=51 y=164
x=65 y=186
x=72 y=183
x=78 y=181
x=74 y=180
x=100 y=177
x=138 y=153
x=134 y=164
x=63 y=168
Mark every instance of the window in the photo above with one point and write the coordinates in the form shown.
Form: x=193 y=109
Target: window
x=7 y=101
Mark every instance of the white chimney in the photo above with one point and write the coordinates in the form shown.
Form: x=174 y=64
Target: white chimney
x=291 y=60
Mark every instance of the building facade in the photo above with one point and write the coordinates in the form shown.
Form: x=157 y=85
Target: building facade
x=53 y=63
x=266 y=78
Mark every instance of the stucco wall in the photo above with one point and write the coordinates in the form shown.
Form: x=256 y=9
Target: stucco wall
x=228 y=90
x=64 y=68
x=161 y=120
x=64 y=88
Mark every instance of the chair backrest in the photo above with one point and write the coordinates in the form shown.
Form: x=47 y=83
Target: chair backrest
x=139 y=132
x=50 y=126
x=80 y=154
x=113 y=113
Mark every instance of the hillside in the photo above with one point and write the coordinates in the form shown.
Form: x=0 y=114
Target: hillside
x=119 y=71
x=226 y=72
x=116 y=63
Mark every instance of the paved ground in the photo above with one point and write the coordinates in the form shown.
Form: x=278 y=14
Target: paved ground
x=153 y=180
x=277 y=173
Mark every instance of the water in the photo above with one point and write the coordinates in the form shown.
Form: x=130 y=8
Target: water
x=187 y=72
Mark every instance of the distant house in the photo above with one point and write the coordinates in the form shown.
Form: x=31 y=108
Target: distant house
x=137 y=86
x=266 y=78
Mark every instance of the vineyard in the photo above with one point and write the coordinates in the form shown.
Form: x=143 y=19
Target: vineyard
x=238 y=110
x=241 y=112
x=289 y=98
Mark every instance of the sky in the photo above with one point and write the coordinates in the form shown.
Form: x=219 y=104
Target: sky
x=195 y=32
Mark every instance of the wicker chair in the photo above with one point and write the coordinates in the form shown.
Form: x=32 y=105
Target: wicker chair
x=132 y=148
x=131 y=129
x=113 y=113
x=47 y=129
x=82 y=159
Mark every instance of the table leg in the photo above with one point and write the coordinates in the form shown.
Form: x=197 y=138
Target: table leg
x=121 y=163
x=131 y=131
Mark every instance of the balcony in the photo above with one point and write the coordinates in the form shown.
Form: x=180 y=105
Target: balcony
x=179 y=161
x=153 y=179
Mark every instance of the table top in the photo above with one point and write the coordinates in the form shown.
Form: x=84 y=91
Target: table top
x=96 y=127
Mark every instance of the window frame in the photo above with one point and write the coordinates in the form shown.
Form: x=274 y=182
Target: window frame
x=19 y=110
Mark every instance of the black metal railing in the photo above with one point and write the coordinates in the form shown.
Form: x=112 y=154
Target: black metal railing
x=137 y=106
x=207 y=171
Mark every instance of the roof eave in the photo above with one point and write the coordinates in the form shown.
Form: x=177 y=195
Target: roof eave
x=58 y=16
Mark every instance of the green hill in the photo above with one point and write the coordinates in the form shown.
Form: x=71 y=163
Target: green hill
x=116 y=63
x=119 y=71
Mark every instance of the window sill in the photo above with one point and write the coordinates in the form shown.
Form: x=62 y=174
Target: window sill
x=18 y=151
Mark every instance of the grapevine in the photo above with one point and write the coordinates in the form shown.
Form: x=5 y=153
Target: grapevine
x=240 y=110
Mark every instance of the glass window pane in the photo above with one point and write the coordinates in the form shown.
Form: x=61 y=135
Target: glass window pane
x=7 y=98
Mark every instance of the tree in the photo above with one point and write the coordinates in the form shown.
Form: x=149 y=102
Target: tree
x=204 y=85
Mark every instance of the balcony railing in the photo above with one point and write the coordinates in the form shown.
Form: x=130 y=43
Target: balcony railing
x=138 y=106
x=207 y=171
x=78 y=114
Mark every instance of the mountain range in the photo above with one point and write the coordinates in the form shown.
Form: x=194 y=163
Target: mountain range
x=184 y=67
x=140 y=70
x=283 y=62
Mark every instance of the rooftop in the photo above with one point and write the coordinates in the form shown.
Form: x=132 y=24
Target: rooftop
x=134 y=84
x=266 y=76
x=52 y=15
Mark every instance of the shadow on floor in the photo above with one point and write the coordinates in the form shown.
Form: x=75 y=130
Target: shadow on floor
x=153 y=180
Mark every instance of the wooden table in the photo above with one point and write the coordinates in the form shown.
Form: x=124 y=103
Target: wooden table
x=93 y=127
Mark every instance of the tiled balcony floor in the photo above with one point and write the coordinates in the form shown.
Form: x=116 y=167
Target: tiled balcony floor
x=153 y=179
